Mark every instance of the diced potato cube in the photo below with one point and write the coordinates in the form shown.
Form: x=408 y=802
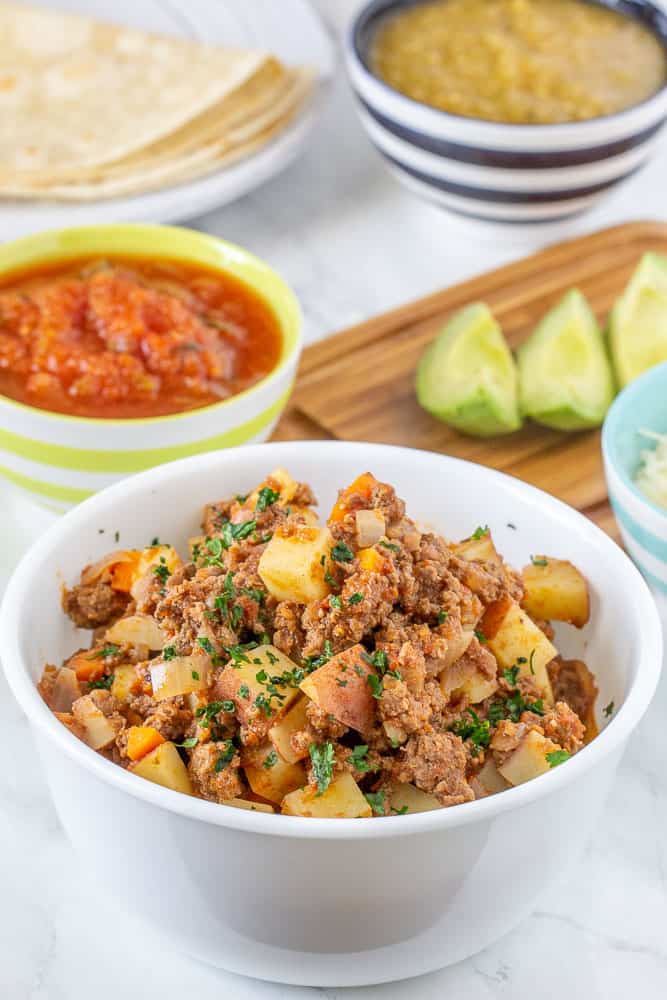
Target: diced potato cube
x=479 y=549
x=136 y=630
x=515 y=640
x=294 y=564
x=477 y=687
x=150 y=559
x=125 y=682
x=529 y=760
x=488 y=781
x=165 y=767
x=99 y=732
x=272 y=777
x=407 y=798
x=262 y=807
x=343 y=799
x=65 y=691
x=183 y=674
x=341 y=688
x=249 y=680
x=556 y=591
x=293 y=721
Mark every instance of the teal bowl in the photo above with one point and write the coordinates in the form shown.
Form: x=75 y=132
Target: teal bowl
x=643 y=524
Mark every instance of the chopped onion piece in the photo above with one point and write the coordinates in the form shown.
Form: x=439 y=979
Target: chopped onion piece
x=182 y=675
x=370 y=528
x=136 y=630
x=94 y=572
x=66 y=690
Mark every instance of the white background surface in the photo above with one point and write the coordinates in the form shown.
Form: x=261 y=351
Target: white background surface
x=353 y=244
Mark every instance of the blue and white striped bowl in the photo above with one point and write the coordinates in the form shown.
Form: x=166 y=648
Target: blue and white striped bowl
x=643 y=525
x=499 y=172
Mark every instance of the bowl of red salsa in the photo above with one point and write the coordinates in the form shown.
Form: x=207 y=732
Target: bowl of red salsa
x=126 y=346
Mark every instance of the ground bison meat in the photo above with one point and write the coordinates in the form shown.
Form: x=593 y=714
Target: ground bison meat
x=488 y=580
x=212 y=775
x=93 y=605
x=288 y=635
x=436 y=763
x=573 y=683
x=171 y=719
x=346 y=622
x=324 y=726
x=561 y=725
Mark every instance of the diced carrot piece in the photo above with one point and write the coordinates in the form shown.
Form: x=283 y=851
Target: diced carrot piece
x=86 y=665
x=362 y=485
x=141 y=740
x=123 y=574
x=371 y=560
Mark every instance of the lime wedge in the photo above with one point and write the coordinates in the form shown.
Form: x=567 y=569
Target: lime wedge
x=565 y=377
x=638 y=321
x=467 y=376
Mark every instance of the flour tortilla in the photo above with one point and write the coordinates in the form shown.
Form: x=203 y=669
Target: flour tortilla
x=77 y=94
x=219 y=152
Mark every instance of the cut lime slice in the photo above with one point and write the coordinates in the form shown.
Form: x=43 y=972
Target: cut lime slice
x=565 y=377
x=638 y=321
x=467 y=376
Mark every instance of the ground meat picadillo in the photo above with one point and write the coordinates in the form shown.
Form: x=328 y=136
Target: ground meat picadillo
x=364 y=667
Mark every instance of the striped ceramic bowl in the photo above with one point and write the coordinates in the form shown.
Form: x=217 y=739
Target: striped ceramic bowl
x=498 y=172
x=643 y=525
x=61 y=460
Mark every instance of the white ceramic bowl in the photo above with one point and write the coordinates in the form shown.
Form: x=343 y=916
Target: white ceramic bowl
x=496 y=171
x=331 y=902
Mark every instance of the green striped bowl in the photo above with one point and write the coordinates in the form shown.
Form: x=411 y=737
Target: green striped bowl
x=61 y=460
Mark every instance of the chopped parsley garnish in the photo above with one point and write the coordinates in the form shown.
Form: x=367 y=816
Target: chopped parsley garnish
x=539 y=561
x=442 y=617
x=206 y=713
x=214 y=547
x=359 y=759
x=328 y=578
x=342 y=553
x=270 y=760
x=532 y=656
x=101 y=654
x=557 y=757
x=162 y=571
x=389 y=545
x=375 y=684
x=255 y=593
x=479 y=532
x=244 y=691
x=266 y=498
x=102 y=683
x=228 y=705
x=322 y=757
x=205 y=644
x=511 y=675
x=355 y=598
x=400 y=812
x=195 y=675
x=241 y=497
x=477 y=730
x=335 y=601
x=479 y=635
x=261 y=676
x=341 y=683
x=378 y=659
x=376 y=802
x=608 y=710
x=188 y=744
x=225 y=757
x=313 y=662
x=155 y=543
x=169 y=653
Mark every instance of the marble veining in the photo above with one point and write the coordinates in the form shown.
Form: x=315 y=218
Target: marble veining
x=352 y=243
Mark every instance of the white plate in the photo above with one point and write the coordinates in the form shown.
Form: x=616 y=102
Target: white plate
x=289 y=28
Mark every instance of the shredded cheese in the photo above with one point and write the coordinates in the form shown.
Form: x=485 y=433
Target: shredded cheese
x=651 y=476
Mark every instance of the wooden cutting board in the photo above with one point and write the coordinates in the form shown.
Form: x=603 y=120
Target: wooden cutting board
x=358 y=384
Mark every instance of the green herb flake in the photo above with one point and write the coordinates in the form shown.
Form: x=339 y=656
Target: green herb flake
x=205 y=643
x=169 y=653
x=539 y=561
x=195 y=675
x=557 y=757
x=102 y=683
x=106 y=651
x=532 y=668
x=244 y=691
x=477 y=730
x=511 y=675
x=375 y=684
x=322 y=758
x=400 y=812
x=225 y=757
x=355 y=598
x=376 y=802
x=359 y=759
x=479 y=532
x=479 y=635
x=266 y=498
x=341 y=683
x=608 y=710
x=189 y=743
x=442 y=617
x=342 y=553
x=270 y=760
x=389 y=545
x=335 y=601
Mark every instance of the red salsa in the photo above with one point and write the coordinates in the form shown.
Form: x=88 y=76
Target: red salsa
x=128 y=337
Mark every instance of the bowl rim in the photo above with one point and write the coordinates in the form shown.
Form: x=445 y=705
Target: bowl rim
x=291 y=335
x=613 y=420
x=375 y=9
x=638 y=693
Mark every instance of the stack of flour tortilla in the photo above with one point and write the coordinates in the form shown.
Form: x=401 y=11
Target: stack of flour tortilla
x=91 y=110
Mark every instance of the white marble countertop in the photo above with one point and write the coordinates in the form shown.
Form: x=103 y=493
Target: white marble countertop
x=352 y=244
